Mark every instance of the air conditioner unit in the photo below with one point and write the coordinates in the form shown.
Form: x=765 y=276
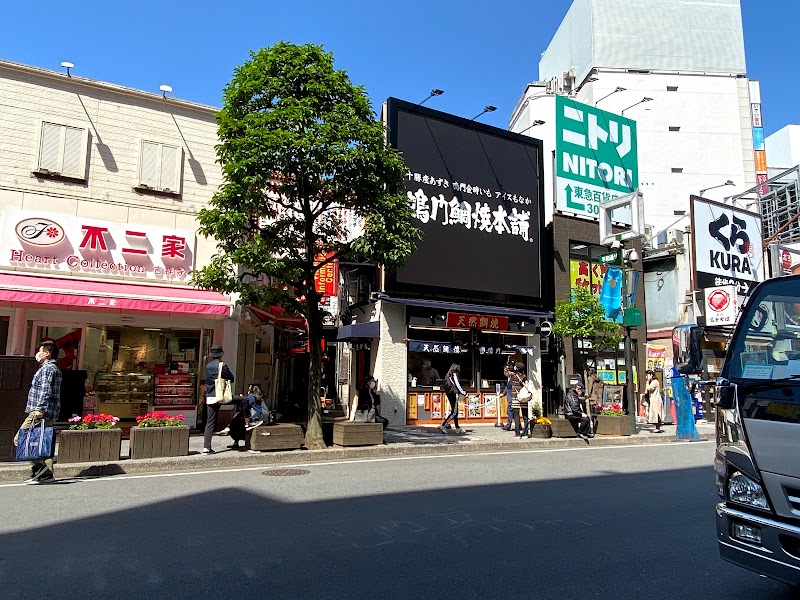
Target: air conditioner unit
x=552 y=86
x=572 y=73
x=674 y=237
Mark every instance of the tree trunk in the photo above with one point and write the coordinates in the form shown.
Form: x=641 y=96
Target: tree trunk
x=314 y=439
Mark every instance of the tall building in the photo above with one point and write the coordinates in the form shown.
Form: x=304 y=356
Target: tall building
x=677 y=68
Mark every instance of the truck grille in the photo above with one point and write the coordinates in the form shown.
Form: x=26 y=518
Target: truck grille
x=793 y=495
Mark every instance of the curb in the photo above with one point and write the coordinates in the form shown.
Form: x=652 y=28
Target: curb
x=14 y=472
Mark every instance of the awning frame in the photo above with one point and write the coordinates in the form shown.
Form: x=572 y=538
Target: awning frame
x=469 y=308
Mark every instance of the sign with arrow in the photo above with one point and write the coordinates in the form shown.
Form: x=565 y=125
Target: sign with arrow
x=596 y=159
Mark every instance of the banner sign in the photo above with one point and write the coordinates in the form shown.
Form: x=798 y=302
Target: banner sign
x=53 y=242
x=596 y=159
x=728 y=246
x=721 y=305
x=434 y=347
x=326 y=278
x=469 y=321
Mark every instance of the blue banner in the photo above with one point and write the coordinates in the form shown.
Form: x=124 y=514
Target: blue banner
x=611 y=293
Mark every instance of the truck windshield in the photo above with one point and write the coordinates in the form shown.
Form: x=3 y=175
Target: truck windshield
x=767 y=343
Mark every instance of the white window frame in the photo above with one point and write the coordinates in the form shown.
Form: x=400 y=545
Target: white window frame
x=160 y=187
x=81 y=174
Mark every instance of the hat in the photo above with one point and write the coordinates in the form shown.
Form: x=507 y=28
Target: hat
x=216 y=351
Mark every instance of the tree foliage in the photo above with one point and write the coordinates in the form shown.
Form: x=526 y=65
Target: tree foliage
x=300 y=148
x=583 y=317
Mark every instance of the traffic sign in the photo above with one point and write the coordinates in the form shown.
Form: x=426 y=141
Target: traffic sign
x=545 y=328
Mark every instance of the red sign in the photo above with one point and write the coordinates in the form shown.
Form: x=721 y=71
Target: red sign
x=786 y=259
x=468 y=321
x=719 y=300
x=326 y=279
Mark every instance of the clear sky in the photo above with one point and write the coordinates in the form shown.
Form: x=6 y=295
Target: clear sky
x=480 y=53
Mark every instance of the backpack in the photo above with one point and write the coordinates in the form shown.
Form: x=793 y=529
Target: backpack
x=448 y=386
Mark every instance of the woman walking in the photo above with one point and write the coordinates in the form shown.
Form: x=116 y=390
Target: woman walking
x=655 y=410
x=452 y=389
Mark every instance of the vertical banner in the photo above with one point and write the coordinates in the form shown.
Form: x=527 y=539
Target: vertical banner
x=759 y=147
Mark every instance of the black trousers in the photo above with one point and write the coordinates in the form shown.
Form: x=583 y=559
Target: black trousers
x=517 y=412
x=582 y=424
x=211 y=424
x=453 y=416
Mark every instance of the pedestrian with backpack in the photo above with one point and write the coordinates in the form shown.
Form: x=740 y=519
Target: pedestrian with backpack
x=452 y=389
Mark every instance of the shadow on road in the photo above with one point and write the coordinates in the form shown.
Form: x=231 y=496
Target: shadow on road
x=617 y=536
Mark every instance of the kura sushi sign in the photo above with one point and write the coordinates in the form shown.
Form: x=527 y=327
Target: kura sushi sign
x=721 y=305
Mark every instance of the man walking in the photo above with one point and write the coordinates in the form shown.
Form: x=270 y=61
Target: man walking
x=44 y=402
x=575 y=413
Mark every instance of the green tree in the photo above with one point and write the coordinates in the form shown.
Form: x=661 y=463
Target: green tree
x=583 y=317
x=299 y=148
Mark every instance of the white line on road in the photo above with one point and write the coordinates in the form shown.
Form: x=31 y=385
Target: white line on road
x=362 y=460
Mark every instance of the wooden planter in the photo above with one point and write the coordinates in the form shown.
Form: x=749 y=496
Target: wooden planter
x=346 y=433
x=154 y=442
x=89 y=445
x=285 y=436
x=541 y=432
x=613 y=425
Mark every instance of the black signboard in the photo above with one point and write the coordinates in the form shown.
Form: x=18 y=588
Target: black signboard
x=477 y=194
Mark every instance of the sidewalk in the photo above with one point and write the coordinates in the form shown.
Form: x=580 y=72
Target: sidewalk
x=398 y=441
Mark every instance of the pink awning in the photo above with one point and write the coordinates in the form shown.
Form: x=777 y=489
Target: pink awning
x=69 y=293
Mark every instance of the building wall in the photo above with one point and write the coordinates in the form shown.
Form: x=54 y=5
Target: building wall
x=117 y=120
x=783 y=149
x=391 y=362
x=566 y=229
x=675 y=35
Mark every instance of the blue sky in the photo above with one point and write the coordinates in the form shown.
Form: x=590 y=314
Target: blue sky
x=478 y=53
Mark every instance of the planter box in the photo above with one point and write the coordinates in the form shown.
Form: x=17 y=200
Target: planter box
x=89 y=445
x=154 y=442
x=562 y=428
x=285 y=436
x=612 y=425
x=541 y=432
x=346 y=433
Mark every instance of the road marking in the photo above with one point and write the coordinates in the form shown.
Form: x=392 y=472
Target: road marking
x=110 y=478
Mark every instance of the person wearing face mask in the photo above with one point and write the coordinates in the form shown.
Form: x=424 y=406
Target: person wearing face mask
x=44 y=403
x=369 y=398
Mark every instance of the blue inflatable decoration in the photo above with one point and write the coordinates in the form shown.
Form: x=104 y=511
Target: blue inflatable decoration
x=684 y=408
x=611 y=293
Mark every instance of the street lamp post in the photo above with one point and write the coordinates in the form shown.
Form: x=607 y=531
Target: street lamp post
x=617 y=89
x=536 y=123
x=713 y=187
x=642 y=101
x=434 y=92
x=486 y=109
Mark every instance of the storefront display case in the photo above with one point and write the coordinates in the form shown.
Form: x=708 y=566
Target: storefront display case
x=177 y=394
x=123 y=395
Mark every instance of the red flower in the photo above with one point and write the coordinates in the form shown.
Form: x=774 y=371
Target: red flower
x=53 y=232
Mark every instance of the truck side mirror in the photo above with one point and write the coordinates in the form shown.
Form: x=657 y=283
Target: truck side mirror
x=686 y=349
x=726 y=394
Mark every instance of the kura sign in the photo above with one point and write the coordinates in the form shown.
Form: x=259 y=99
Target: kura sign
x=728 y=246
x=36 y=241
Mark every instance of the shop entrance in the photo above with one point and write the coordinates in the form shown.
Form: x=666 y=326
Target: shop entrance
x=70 y=340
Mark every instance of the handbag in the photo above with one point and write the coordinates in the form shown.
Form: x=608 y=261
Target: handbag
x=222 y=388
x=365 y=416
x=525 y=393
x=35 y=442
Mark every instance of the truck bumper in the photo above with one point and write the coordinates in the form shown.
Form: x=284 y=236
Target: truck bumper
x=778 y=555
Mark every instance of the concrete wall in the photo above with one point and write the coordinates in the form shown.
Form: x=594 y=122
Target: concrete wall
x=391 y=356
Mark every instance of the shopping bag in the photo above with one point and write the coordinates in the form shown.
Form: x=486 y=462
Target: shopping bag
x=222 y=388
x=365 y=416
x=35 y=442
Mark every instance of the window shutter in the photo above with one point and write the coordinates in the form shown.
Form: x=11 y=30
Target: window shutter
x=148 y=168
x=170 y=168
x=74 y=157
x=49 y=152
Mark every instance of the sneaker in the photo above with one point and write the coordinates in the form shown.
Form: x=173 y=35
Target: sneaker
x=253 y=425
x=46 y=477
x=208 y=451
x=225 y=431
x=443 y=429
x=36 y=473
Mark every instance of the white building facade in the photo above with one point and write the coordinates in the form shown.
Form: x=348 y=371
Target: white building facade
x=100 y=186
x=677 y=68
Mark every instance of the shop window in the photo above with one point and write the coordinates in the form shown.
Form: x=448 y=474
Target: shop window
x=62 y=151
x=160 y=167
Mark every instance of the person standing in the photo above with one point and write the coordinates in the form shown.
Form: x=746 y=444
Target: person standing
x=508 y=372
x=575 y=413
x=427 y=374
x=452 y=389
x=212 y=404
x=652 y=395
x=519 y=401
x=44 y=403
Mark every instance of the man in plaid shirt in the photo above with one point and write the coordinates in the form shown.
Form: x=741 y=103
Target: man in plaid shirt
x=44 y=402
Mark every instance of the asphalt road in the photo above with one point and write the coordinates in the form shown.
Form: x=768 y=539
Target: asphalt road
x=619 y=523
